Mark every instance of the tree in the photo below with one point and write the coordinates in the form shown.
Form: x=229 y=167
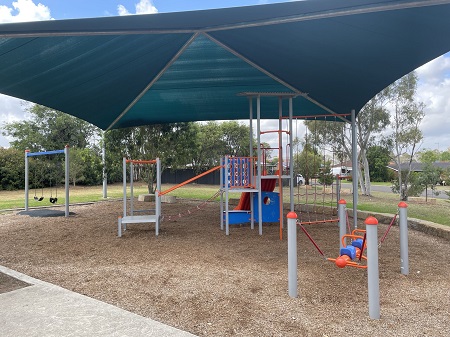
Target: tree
x=371 y=120
x=445 y=155
x=85 y=167
x=378 y=157
x=307 y=163
x=214 y=140
x=12 y=169
x=49 y=129
x=173 y=143
x=428 y=178
x=429 y=156
x=406 y=134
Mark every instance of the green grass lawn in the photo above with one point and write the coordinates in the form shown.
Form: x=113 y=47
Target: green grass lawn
x=380 y=202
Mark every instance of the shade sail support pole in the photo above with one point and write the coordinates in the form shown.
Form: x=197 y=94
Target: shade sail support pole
x=355 y=177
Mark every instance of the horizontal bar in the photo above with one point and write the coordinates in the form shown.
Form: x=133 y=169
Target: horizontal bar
x=141 y=161
x=43 y=153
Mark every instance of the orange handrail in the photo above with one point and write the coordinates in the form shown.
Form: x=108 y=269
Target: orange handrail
x=190 y=180
x=141 y=161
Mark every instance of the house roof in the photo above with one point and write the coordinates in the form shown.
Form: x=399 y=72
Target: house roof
x=418 y=167
x=333 y=55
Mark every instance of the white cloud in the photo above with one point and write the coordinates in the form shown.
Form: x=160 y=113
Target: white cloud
x=24 y=10
x=434 y=90
x=142 y=7
x=11 y=109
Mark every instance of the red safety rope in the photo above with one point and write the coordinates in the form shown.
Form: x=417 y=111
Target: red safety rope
x=312 y=240
x=388 y=229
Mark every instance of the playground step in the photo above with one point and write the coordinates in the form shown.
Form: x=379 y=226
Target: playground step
x=139 y=219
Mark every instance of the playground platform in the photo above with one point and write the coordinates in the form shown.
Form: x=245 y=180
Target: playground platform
x=44 y=309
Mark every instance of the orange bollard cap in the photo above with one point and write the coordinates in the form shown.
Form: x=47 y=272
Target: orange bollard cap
x=292 y=215
x=371 y=221
x=342 y=202
x=402 y=204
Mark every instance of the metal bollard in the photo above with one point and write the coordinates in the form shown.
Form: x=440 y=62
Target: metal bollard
x=403 y=224
x=292 y=253
x=373 y=280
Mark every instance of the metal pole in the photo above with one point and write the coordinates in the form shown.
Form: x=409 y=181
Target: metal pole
x=338 y=189
x=222 y=186
x=259 y=156
x=373 y=280
x=26 y=179
x=105 y=175
x=280 y=163
x=227 y=185
x=119 y=227
x=354 y=170
x=291 y=157
x=252 y=206
x=342 y=220
x=157 y=196
x=403 y=224
x=66 y=180
x=131 y=188
x=124 y=174
x=292 y=253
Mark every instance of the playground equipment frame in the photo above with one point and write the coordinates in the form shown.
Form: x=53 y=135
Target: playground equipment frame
x=66 y=178
x=131 y=218
x=372 y=253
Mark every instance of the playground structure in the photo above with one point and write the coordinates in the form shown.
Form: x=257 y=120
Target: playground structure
x=248 y=175
x=238 y=174
x=29 y=154
x=352 y=254
x=130 y=217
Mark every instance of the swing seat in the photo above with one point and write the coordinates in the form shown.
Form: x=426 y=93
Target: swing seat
x=36 y=198
x=53 y=200
x=40 y=199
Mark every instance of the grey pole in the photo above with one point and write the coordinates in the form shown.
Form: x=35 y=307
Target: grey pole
x=131 y=188
x=259 y=156
x=291 y=156
x=227 y=186
x=280 y=159
x=105 y=175
x=26 y=179
x=66 y=180
x=354 y=170
x=342 y=220
x=222 y=186
x=373 y=280
x=403 y=224
x=292 y=253
x=124 y=174
x=252 y=206
x=157 y=196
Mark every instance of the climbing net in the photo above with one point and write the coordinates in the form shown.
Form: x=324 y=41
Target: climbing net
x=317 y=198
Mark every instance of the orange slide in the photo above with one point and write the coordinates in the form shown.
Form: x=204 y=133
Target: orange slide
x=267 y=185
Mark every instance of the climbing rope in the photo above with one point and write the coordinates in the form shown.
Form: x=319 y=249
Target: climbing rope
x=190 y=211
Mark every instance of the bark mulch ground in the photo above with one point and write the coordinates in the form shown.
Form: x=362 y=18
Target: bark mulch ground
x=196 y=278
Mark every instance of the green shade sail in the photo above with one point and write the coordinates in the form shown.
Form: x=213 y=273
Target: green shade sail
x=333 y=55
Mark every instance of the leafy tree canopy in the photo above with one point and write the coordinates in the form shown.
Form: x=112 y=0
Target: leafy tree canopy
x=49 y=129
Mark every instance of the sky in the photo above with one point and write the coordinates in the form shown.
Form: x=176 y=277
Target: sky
x=434 y=77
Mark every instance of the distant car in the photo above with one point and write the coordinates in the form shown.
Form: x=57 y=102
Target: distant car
x=300 y=179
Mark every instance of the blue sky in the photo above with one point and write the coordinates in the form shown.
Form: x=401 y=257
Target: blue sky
x=69 y=9
x=434 y=77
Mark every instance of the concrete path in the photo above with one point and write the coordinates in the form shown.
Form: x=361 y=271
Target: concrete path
x=44 y=309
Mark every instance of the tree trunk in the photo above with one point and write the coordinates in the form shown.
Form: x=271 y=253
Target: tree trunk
x=366 y=176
